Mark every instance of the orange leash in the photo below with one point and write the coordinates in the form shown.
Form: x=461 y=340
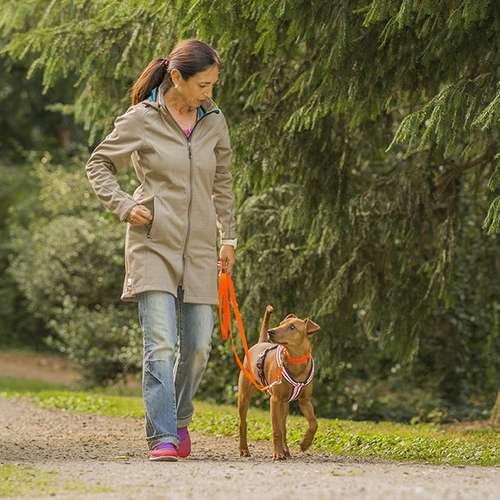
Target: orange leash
x=227 y=298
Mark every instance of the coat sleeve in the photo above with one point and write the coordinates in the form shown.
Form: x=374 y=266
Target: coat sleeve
x=223 y=195
x=113 y=154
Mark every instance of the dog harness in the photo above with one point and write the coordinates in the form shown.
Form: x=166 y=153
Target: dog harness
x=296 y=386
x=260 y=365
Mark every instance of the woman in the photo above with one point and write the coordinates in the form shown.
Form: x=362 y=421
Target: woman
x=178 y=141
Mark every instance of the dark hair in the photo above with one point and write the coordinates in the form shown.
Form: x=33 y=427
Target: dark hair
x=189 y=56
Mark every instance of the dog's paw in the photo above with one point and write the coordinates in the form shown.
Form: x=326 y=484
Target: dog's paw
x=279 y=455
x=244 y=453
x=305 y=444
x=269 y=308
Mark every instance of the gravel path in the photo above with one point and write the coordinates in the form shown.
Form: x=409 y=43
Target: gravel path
x=111 y=452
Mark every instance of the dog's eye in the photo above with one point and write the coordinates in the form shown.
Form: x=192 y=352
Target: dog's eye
x=292 y=327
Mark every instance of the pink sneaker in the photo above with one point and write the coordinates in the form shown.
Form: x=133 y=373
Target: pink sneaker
x=184 y=442
x=164 y=451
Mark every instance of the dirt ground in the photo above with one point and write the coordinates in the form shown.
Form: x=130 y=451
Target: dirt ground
x=111 y=452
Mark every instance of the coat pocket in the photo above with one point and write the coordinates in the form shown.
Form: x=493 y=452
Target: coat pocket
x=149 y=203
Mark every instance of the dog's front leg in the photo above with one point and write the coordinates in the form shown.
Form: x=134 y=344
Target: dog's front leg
x=283 y=426
x=307 y=409
x=244 y=395
x=277 y=422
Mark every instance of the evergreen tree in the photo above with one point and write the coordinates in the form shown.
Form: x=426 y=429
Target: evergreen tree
x=366 y=140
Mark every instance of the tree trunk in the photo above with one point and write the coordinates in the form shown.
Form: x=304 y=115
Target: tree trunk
x=495 y=413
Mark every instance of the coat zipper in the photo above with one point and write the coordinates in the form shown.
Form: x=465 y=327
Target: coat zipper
x=190 y=191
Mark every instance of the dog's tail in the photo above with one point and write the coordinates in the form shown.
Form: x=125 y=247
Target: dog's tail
x=263 y=337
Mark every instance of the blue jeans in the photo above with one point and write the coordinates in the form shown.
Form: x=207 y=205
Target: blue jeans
x=171 y=377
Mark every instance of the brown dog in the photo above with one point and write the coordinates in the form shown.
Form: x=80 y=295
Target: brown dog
x=265 y=357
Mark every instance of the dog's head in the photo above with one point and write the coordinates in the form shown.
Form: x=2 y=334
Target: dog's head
x=293 y=331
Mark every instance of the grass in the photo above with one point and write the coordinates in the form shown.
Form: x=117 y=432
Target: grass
x=429 y=443
x=21 y=480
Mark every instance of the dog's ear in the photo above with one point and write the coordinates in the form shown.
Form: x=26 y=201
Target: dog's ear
x=311 y=326
x=288 y=316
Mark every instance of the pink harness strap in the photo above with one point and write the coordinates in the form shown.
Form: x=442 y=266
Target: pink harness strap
x=296 y=386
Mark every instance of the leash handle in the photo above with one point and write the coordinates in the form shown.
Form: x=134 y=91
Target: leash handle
x=227 y=299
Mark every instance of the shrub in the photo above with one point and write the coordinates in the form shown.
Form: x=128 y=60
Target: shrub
x=68 y=261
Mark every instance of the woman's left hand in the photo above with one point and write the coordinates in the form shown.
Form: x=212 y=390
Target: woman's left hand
x=227 y=259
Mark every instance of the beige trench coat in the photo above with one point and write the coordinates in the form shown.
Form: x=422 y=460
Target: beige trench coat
x=185 y=183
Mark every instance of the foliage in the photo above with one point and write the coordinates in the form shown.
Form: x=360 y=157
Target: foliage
x=366 y=165
x=32 y=122
x=17 y=325
x=27 y=128
x=66 y=235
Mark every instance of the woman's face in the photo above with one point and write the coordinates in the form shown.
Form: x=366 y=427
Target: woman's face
x=199 y=87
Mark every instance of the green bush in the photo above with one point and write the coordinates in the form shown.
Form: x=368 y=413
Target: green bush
x=18 y=327
x=68 y=262
x=68 y=258
x=105 y=342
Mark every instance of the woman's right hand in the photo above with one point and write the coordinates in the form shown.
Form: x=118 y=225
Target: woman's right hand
x=139 y=216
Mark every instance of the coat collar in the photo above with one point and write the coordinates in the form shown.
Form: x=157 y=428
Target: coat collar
x=157 y=101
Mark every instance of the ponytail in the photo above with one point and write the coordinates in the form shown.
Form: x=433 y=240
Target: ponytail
x=188 y=57
x=152 y=76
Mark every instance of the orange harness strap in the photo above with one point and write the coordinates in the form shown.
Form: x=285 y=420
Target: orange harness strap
x=227 y=298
